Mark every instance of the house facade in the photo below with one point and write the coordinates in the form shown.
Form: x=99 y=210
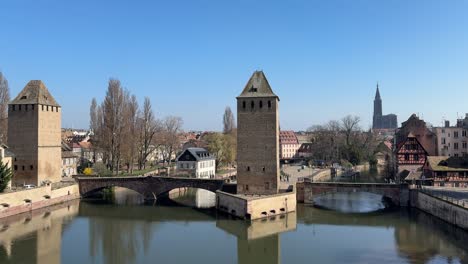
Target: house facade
x=7 y=158
x=289 y=145
x=447 y=171
x=70 y=161
x=197 y=163
x=452 y=140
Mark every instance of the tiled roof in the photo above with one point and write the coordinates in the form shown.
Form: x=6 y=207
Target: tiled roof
x=258 y=86
x=35 y=92
x=288 y=137
x=444 y=163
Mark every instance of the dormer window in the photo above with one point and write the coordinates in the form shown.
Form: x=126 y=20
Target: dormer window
x=23 y=97
x=253 y=89
x=243 y=105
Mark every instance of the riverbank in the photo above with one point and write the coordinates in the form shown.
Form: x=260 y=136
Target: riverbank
x=28 y=200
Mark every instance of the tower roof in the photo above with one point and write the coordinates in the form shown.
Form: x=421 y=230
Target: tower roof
x=377 y=93
x=258 y=86
x=35 y=92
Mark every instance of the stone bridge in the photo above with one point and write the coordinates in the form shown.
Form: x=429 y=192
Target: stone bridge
x=150 y=187
x=398 y=193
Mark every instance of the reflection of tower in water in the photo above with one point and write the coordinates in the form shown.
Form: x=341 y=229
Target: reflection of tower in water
x=259 y=241
x=36 y=237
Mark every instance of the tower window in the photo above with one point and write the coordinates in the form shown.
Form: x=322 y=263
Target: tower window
x=23 y=167
x=47 y=108
x=248 y=168
x=252 y=104
x=243 y=104
x=32 y=107
x=19 y=107
x=16 y=167
x=263 y=169
x=56 y=109
x=261 y=104
x=42 y=107
x=13 y=107
x=31 y=167
x=269 y=104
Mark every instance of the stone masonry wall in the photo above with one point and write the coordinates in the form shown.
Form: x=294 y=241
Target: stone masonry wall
x=444 y=210
x=28 y=200
x=257 y=146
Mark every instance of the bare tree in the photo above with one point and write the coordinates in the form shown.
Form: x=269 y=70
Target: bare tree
x=4 y=100
x=130 y=141
x=228 y=121
x=113 y=108
x=350 y=125
x=172 y=127
x=147 y=126
x=93 y=116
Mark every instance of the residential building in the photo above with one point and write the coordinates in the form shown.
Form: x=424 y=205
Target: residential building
x=197 y=162
x=257 y=138
x=305 y=151
x=447 y=171
x=380 y=121
x=452 y=140
x=289 y=145
x=69 y=161
x=410 y=158
x=34 y=135
x=418 y=128
x=7 y=158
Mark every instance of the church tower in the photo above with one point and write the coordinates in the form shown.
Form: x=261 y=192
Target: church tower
x=377 y=120
x=34 y=128
x=257 y=138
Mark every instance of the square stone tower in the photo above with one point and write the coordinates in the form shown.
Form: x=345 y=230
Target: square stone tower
x=257 y=138
x=34 y=135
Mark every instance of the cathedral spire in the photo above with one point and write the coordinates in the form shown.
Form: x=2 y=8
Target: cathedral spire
x=377 y=93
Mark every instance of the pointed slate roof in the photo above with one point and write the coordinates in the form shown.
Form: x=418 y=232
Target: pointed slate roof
x=35 y=92
x=377 y=93
x=258 y=86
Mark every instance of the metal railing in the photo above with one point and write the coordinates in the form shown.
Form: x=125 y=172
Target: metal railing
x=437 y=194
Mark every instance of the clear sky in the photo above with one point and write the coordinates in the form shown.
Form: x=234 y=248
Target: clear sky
x=192 y=58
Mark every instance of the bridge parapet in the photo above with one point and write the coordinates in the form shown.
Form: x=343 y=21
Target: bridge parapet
x=150 y=187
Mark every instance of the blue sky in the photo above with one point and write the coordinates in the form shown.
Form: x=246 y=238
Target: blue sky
x=192 y=58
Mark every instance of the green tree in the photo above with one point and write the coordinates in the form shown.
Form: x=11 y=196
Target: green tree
x=5 y=175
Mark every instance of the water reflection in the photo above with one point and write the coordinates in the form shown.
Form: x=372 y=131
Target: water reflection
x=35 y=237
x=103 y=232
x=351 y=202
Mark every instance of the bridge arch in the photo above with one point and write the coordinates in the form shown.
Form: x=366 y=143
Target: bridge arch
x=391 y=192
x=150 y=187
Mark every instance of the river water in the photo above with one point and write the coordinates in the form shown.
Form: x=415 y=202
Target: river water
x=123 y=230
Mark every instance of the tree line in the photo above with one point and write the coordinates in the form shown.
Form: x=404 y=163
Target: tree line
x=224 y=145
x=342 y=141
x=127 y=134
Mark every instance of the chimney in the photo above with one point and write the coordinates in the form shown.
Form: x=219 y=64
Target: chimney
x=447 y=123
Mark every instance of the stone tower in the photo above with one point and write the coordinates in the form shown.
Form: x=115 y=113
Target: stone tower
x=34 y=128
x=377 y=120
x=257 y=138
